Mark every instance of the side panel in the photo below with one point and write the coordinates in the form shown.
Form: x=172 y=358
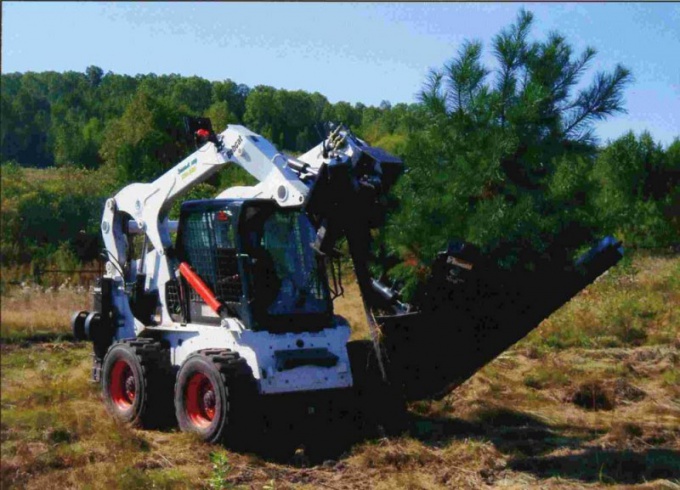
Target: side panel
x=259 y=348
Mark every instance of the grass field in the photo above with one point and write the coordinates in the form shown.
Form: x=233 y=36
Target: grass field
x=591 y=398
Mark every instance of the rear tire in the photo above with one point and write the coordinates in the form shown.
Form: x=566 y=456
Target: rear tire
x=135 y=382
x=213 y=396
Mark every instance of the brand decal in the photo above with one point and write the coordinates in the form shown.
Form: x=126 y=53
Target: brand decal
x=188 y=168
x=236 y=144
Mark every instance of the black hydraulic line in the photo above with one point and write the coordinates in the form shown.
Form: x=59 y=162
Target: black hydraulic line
x=359 y=242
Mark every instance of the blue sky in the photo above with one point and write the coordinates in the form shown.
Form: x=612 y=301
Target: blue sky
x=354 y=52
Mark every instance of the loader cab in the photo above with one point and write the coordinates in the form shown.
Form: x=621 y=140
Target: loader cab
x=257 y=259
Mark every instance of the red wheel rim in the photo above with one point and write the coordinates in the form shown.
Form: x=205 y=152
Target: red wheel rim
x=122 y=386
x=200 y=400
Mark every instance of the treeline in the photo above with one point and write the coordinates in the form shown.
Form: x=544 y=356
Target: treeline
x=503 y=157
x=94 y=132
x=93 y=119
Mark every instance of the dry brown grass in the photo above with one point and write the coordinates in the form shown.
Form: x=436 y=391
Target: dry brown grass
x=34 y=312
x=56 y=434
x=351 y=308
x=633 y=304
x=514 y=424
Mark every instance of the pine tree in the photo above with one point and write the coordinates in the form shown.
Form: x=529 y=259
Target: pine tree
x=503 y=156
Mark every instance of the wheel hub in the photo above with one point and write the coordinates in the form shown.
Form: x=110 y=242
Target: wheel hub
x=130 y=387
x=209 y=400
x=122 y=385
x=201 y=400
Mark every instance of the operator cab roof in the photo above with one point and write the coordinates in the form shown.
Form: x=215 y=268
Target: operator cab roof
x=202 y=204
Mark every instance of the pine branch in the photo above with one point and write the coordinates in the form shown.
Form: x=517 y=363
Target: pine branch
x=431 y=94
x=573 y=72
x=603 y=98
x=465 y=75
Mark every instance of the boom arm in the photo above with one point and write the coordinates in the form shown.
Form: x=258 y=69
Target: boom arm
x=148 y=204
x=143 y=208
x=338 y=182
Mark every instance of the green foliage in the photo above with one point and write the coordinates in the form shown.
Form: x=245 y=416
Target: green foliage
x=220 y=115
x=94 y=118
x=128 y=129
x=233 y=94
x=26 y=119
x=94 y=75
x=638 y=190
x=503 y=157
x=50 y=215
x=146 y=141
x=201 y=191
x=220 y=471
x=287 y=118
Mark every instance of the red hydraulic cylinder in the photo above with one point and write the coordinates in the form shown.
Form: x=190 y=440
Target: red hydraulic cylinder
x=200 y=287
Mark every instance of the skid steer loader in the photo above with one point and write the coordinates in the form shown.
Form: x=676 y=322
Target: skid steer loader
x=226 y=315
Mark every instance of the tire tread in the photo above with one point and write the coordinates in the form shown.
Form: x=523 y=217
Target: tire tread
x=156 y=370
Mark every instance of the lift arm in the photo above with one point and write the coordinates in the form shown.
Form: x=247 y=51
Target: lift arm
x=340 y=184
x=147 y=205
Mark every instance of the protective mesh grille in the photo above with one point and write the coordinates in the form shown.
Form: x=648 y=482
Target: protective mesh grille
x=208 y=240
x=172 y=298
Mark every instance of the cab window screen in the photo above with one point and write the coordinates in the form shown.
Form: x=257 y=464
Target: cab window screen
x=287 y=238
x=209 y=246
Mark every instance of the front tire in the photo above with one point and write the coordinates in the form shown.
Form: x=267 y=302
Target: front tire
x=134 y=384
x=213 y=392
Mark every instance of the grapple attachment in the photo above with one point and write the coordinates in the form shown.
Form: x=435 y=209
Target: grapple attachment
x=470 y=311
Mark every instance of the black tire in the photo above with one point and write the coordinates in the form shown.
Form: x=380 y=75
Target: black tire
x=381 y=407
x=214 y=396
x=137 y=382
x=78 y=325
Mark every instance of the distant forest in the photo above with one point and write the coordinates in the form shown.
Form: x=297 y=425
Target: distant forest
x=503 y=157
x=90 y=119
